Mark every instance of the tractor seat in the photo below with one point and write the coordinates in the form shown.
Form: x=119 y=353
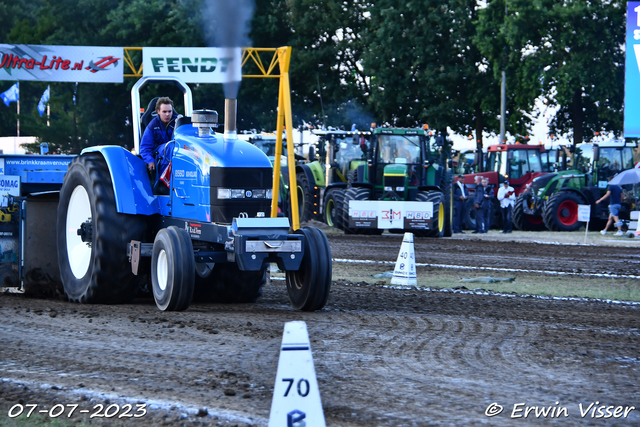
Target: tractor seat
x=183 y=120
x=148 y=115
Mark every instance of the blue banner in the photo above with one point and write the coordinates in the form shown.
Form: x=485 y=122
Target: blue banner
x=632 y=72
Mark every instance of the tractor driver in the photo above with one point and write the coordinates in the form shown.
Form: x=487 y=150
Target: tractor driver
x=403 y=151
x=154 y=141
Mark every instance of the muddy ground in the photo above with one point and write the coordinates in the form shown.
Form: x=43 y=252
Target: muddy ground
x=383 y=356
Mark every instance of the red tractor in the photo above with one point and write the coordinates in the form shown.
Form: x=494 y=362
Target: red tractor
x=518 y=163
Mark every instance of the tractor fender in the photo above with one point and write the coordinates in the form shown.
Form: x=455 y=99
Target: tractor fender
x=587 y=197
x=131 y=185
x=314 y=173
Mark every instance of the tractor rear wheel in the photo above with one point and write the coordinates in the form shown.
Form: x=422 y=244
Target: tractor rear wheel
x=229 y=284
x=561 y=211
x=172 y=269
x=333 y=201
x=438 y=219
x=309 y=286
x=525 y=222
x=92 y=236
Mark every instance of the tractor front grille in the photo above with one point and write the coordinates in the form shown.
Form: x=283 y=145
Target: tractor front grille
x=252 y=203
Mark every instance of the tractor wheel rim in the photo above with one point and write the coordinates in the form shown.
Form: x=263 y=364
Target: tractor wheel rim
x=330 y=212
x=162 y=270
x=78 y=212
x=441 y=217
x=568 y=212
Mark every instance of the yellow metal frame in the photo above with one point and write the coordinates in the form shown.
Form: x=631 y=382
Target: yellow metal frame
x=277 y=68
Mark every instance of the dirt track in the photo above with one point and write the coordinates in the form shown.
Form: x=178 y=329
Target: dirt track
x=383 y=357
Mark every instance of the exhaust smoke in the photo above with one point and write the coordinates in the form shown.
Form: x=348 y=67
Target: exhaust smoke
x=227 y=24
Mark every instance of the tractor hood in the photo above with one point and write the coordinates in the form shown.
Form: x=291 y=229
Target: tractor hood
x=214 y=150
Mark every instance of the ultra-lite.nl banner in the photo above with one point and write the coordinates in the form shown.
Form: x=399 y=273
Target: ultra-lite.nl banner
x=85 y=64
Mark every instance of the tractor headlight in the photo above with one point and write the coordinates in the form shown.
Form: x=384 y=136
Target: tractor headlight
x=269 y=194
x=399 y=188
x=237 y=194
x=224 y=193
x=388 y=189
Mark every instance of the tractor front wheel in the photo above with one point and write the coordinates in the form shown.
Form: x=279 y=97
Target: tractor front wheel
x=525 y=222
x=309 y=286
x=438 y=218
x=333 y=201
x=172 y=269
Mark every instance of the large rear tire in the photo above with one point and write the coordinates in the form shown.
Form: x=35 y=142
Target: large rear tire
x=309 y=286
x=172 y=269
x=357 y=194
x=438 y=220
x=94 y=266
x=561 y=211
x=525 y=222
x=229 y=284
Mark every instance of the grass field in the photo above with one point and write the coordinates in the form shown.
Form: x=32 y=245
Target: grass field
x=621 y=289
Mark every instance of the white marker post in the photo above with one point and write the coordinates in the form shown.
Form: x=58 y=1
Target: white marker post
x=405 y=271
x=296 y=397
x=584 y=215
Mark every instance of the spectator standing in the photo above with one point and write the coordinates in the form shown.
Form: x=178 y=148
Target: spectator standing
x=477 y=205
x=486 y=205
x=507 y=198
x=460 y=196
x=614 y=192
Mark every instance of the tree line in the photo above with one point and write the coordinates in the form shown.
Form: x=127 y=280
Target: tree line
x=354 y=62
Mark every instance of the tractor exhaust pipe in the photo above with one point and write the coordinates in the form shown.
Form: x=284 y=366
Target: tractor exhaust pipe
x=230 y=113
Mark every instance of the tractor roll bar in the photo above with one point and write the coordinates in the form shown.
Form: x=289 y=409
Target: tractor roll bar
x=135 y=102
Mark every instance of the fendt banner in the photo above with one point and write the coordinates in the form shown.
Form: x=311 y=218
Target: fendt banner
x=85 y=64
x=632 y=72
x=194 y=64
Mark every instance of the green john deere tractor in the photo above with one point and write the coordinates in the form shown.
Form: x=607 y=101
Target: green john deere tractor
x=333 y=160
x=404 y=186
x=556 y=196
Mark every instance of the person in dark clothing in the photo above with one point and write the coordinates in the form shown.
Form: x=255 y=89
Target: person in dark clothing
x=614 y=192
x=487 y=205
x=155 y=138
x=460 y=195
x=477 y=205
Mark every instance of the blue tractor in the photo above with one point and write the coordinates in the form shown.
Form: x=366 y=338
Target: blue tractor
x=211 y=236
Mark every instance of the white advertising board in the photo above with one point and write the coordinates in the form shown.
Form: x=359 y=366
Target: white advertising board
x=194 y=64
